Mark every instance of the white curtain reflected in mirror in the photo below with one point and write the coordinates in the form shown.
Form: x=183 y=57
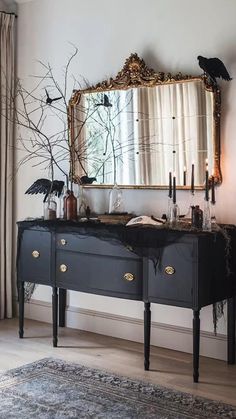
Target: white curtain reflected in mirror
x=136 y=136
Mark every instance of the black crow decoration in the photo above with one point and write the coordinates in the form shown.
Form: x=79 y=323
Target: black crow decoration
x=49 y=100
x=45 y=186
x=105 y=102
x=85 y=180
x=213 y=67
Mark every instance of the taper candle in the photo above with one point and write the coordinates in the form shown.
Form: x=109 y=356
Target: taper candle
x=213 y=198
x=174 y=188
x=192 y=179
x=207 y=182
x=184 y=176
x=170 y=185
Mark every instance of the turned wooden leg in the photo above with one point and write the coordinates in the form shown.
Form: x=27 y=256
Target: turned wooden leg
x=196 y=343
x=231 y=313
x=62 y=307
x=54 y=315
x=147 y=332
x=21 y=297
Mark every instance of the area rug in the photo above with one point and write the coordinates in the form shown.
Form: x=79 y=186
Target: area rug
x=52 y=388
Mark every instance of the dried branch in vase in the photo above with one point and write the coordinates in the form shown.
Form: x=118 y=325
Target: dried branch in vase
x=42 y=119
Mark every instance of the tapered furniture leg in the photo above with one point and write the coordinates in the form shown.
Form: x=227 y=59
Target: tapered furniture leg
x=62 y=307
x=231 y=313
x=147 y=332
x=54 y=315
x=21 y=295
x=196 y=343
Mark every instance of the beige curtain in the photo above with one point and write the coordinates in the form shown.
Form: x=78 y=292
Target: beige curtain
x=7 y=73
x=175 y=118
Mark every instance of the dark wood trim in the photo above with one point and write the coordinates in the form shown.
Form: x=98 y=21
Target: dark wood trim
x=196 y=344
x=147 y=334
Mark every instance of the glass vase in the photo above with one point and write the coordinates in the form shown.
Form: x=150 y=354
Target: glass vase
x=116 y=204
x=82 y=202
x=50 y=207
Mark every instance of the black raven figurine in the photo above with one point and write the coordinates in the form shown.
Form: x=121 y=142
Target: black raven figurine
x=45 y=186
x=49 y=100
x=85 y=180
x=105 y=102
x=213 y=67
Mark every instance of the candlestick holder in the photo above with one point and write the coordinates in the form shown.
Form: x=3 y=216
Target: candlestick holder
x=174 y=215
x=169 y=205
x=206 y=226
x=213 y=216
x=188 y=214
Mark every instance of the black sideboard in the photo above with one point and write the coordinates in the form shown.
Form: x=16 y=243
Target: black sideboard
x=182 y=268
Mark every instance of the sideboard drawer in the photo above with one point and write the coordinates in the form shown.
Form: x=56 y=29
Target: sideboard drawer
x=88 y=244
x=171 y=281
x=99 y=274
x=35 y=257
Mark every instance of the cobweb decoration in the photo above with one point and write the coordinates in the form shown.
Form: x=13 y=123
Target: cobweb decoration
x=29 y=290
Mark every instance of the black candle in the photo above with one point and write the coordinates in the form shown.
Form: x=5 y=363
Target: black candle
x=207 y=182
x=170 y=185
x=174 y=189
x=213 y=198
x=184 y=176
x=192 y=179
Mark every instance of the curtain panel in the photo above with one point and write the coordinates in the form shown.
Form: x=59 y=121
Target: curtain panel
x=7 y=78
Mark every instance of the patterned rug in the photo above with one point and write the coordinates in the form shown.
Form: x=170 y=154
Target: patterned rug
x=52 y=388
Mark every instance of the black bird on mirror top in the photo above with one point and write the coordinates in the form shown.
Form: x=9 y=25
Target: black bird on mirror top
x=213 y=67
x=49 y=100
x=45 y=186
x=105 y=102
x=85 y=180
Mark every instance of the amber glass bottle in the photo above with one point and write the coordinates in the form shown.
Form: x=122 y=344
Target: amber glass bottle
x=71 y=206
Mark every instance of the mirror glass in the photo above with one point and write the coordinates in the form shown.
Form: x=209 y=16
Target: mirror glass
x=134 y=136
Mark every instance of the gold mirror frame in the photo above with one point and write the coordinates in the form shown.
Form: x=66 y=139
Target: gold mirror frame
x=135 y=73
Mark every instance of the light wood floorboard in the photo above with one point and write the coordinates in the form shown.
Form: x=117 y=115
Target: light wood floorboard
x=169 y=368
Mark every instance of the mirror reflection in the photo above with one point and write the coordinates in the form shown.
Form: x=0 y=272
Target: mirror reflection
x=134 y=129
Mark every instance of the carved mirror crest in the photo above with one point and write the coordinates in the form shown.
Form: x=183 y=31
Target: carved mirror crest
x=133 y=129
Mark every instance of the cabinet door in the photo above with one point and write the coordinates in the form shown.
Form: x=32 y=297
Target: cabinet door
x=171 y=280
x=99 y=274
x=35 y=257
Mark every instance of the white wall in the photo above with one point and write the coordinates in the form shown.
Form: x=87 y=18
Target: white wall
x=8 y=6
x=169 y=35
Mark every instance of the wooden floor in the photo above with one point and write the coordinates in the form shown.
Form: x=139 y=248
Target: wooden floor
x=168 y=368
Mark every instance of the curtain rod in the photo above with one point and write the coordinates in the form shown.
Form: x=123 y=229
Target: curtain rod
x=9 y=13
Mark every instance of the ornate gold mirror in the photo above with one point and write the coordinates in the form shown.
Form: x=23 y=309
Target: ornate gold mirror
x=134 y=129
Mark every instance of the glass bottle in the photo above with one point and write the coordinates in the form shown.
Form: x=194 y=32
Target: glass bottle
x=116 y=204
x=50 y=207
x=61 y=202
x=197 y=217
x=65 y=195
x=71 y=206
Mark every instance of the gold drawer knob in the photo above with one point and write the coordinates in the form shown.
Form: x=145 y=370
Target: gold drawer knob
x=63 y=267
x=169 y=270
x=63 y=242
x=128 y=276
x=35 y=254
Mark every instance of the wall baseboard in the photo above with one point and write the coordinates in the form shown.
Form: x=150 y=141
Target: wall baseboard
x=166 y=336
